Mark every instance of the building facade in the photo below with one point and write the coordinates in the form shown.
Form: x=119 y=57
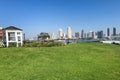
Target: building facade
x=100 y=34
x=12 y=35
x=108 y=32
x=60 y=34
x=77 y=35
x=114 y=31
x=82 y=34
x=69 y=33
x=90 y=35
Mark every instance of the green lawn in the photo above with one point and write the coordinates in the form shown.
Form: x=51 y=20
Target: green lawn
x=77 y=61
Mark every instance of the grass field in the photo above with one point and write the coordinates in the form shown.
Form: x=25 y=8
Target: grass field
x=77 y=61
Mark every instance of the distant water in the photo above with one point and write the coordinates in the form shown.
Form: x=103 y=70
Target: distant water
x=79 y=40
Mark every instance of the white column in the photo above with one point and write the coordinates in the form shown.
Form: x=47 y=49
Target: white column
x=16 y=38
x=21 y=38
x=6 y=38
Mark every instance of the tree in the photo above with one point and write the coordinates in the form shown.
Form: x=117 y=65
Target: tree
x=43 y=36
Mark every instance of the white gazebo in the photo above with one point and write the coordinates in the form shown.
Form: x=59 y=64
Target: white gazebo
x=12 y=35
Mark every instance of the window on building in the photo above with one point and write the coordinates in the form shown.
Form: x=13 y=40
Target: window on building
x=19 y=38
x=18 y=33
x=11 y=36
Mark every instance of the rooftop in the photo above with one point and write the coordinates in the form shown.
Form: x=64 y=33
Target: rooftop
x=12 y=28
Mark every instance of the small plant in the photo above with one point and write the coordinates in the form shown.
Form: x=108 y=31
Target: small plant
x=2 y=45
x=12 y=44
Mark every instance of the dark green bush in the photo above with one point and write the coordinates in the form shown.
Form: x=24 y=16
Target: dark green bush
x=43 y=44
x=12 y=44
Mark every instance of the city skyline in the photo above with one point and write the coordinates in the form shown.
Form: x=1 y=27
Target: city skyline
x=35 y=16
x=110 y=32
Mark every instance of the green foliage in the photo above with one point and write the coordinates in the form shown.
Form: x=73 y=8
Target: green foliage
x=19 y=44
x=43 y=44
x=76 y=61
x=12 y=44
x=43 y=36
x=2 y=45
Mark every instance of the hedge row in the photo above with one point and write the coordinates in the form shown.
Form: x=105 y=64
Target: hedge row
x=43 y=44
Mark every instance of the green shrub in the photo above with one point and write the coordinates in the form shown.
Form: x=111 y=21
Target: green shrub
x=19 y=44
x=43 y=44
x=12 y=44
x=2 y=45
x=31 y=44
x=59 y=44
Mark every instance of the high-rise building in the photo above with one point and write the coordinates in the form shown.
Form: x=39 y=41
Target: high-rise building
x=85 y=35
x=64 y=36
x=100 y=34
x=60 y=34
x=108 y=32
x=114 y=31
x=77 y=35
x=69 y=33
x=82 y=34
x=95 y=35
x=90 y=35
x=52 y=36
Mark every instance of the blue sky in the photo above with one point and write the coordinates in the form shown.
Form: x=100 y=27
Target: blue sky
x=35 y=16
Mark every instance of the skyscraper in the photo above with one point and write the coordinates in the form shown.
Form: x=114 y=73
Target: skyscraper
x=82 y=34
x=69 y=33
x=52 y=36
x=100 y=34
x=108 y=32
x=95 y=35
x=85 y=35
x=114 y=31
x=77 y=35
x=64 y=36
x=90 y=35
x=60 y=34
